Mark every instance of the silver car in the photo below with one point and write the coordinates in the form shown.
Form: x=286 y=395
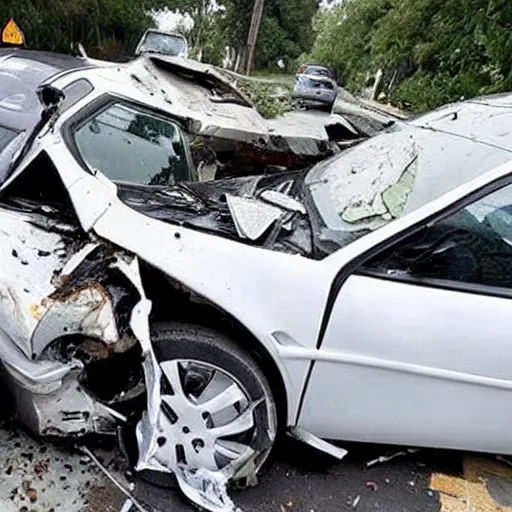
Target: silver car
x=364 y=299
x=315 y=86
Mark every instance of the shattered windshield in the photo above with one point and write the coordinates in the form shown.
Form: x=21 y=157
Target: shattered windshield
x=367 y=186
x=128 y=145
x=392 y=174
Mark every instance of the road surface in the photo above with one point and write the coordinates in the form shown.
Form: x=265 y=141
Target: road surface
x=41 y=477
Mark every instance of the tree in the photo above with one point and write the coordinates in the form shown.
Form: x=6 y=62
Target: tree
x=437 y=50
x=286 y=30
x=200 y=12
x=99 y=25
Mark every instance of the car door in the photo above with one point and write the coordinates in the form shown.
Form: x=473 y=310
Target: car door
x=417 y=347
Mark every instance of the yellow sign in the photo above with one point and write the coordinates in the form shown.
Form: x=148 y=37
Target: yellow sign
x=11 y=34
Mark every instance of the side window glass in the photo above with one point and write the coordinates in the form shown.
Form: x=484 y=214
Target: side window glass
x=128 y=145
x=472 y=246
x=74 y=92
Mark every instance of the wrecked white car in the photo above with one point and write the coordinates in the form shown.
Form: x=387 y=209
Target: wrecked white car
x=353 y=301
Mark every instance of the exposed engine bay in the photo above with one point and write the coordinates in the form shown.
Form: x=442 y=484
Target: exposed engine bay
x=264 y=210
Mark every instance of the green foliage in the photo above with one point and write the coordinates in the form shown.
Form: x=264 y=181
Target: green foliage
x=442 y=49
x=110 y=28
x=286 y=30
x=104 y=27
x=271 y=100
x=214 y=43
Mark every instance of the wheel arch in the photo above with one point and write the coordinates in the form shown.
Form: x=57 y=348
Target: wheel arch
x=171 y=301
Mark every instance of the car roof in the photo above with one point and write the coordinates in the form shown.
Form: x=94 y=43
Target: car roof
x=319 y=66
x=21 y=72
x=484 y=119
x=59 y=61
x=164 y=32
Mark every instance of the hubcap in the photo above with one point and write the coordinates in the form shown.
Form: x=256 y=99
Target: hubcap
x=207 y=419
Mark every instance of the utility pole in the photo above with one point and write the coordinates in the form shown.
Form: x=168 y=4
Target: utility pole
x=252 y=37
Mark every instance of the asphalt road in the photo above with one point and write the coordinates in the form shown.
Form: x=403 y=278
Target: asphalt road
x=39 y=476
x=43 y=477
x=301 y=480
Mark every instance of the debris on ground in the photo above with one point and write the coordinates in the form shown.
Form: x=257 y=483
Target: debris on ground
x=372 y=486
x=207 y=489
x=46 y=477
x=134 y=503
x=356 y=501
x=387 y=458
x=485 y=485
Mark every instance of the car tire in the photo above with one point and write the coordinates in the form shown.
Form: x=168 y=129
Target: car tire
x=202 y=357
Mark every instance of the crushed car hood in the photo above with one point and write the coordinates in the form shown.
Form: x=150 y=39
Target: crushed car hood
x=265 y=211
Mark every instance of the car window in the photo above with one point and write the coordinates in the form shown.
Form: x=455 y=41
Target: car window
x=317 y=71
x=6 y=135
x=314 y=84
x=74 y=92
x=19 y=78
x=473 y=245
x=130 y=145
